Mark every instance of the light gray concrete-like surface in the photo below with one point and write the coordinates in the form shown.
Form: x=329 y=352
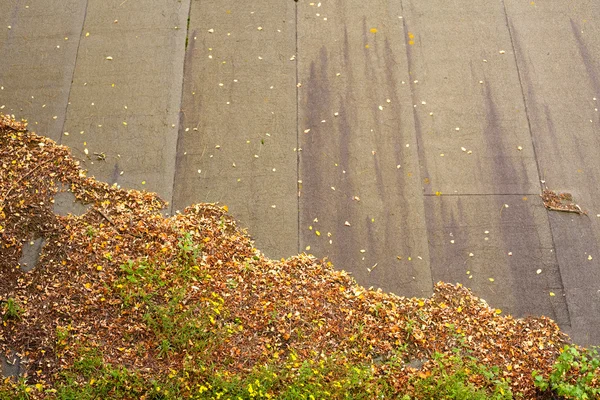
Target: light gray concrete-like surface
x=361 y=199
x=406 y=140
x=10 y=367
x=122 y=118
x=473 y=132
x=558 y=52
x=38 y=43
x=501 y=247
x=30 y=254
x=487 y=226
x=238 y=135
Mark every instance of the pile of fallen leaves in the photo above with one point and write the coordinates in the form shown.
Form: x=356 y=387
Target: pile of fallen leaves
x=270 y=308
x=560 y=202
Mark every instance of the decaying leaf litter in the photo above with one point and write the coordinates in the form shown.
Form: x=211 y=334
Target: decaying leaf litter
x=560 y=202
x=271 y=310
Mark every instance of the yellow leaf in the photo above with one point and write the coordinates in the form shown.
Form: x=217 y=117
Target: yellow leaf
x=226 y=208
x=552 y=294
x=373 y=30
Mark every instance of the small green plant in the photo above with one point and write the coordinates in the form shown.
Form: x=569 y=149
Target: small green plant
x=11 y=310
x=89 y=362
x=453 y=375
x=90 y=231
x=62 y=333
x=62 y=337
x=91 y=378
x=188 y=250
x=188 y=255
x=164 y=348
x=18 y=390
x=575 y=374
x=138 y=282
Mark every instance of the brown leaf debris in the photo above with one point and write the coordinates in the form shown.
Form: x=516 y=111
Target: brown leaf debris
x=270 y=308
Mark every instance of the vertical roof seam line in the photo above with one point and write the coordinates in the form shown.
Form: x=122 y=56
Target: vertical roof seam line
x=64 y=122
x=297 y=132
x=180 y=113
x=537 y=164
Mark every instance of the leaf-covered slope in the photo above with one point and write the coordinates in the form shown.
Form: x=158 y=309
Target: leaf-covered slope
x=152 y=292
